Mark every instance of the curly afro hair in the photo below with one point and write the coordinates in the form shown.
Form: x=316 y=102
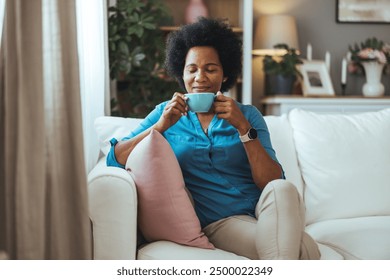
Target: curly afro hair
x=205 y=32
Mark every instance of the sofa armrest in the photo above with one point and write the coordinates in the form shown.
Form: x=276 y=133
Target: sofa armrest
x=113 y=212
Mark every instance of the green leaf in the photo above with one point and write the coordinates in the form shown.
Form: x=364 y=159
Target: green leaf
x=146 y=18
x=121 y=5
x=135 y=5
x=150 y=26
x=136 y=50
x=123 y=48
x=132 y=30
x=125 y=66
x=139 y=56
x=112 y=46
x=117 y=37
x=139 y=31
x=137 y=59
x=112 y=29
x=135 y=18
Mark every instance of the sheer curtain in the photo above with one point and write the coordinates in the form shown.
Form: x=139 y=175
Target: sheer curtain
x=2 y=5
x=94 y=71
x=43 y=195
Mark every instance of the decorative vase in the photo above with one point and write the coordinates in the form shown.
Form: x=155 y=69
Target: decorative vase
x=195 y=9
x=373 y=86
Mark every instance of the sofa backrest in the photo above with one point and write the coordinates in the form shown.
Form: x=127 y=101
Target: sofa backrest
x=113 y=127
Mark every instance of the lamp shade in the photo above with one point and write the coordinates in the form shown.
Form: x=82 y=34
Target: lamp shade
x=272 y=30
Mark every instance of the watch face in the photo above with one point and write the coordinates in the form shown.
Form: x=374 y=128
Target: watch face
x=252 y=133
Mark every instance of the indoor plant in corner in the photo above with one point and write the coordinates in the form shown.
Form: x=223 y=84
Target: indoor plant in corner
x=281 y=71
x=136 y=55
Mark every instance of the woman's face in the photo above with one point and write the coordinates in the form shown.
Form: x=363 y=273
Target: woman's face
x=202 y=70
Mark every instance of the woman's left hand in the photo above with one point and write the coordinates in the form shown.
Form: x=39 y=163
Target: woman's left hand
x=226 y=108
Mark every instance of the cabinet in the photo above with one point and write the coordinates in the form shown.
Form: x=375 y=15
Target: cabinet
x=346 y=104
x=239 y=13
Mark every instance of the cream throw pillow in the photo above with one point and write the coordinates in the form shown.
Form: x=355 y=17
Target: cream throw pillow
x=113 y=127
x=345 y=163
x=165 y=211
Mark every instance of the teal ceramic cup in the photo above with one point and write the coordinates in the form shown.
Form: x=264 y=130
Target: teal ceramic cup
x=200 y=102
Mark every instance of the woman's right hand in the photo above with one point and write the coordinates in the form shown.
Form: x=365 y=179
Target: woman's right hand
x=173 y=111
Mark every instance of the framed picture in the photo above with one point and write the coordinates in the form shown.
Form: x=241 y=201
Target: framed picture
x=363 y=11
x=316 y=80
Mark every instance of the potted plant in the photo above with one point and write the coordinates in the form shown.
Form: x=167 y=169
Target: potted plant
x=281 y=71
x=136 y=55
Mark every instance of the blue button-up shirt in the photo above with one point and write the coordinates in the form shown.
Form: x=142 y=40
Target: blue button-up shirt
x=215 y=166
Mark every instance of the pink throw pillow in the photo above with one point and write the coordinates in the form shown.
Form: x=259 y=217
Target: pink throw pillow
x=165 y=211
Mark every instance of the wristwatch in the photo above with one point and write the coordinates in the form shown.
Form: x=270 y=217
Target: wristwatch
x=250 y=135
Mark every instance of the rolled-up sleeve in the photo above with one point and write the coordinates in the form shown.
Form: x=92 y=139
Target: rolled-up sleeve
x=111 y=159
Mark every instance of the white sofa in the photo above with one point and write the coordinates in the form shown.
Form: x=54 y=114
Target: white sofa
x=339 y=163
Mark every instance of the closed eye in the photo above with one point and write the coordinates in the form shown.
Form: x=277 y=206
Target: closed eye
x=191 y=69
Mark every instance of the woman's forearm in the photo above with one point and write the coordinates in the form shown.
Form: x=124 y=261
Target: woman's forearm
x=124 y=148
x=264 y=168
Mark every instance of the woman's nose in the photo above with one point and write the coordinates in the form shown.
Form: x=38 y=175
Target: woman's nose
x=200 y=76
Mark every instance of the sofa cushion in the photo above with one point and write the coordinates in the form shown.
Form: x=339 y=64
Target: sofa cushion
x=165 y=250
x=364 y=238
x=283 y=144
x=117 y=127
x=327 y=253
x=165 y=211
x=345 y=163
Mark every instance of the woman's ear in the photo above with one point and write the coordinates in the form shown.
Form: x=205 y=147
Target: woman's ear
x=224 y=79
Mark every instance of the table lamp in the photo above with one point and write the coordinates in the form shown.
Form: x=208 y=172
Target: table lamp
x=272 y=30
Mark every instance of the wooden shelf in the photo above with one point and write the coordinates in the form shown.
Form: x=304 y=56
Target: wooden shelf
x=174 y=28
x=224 y=9
x=277 y=105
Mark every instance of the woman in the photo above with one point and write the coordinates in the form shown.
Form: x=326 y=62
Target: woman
x=225 y=154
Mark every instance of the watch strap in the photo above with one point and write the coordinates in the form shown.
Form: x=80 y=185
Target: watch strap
x=245 y=138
